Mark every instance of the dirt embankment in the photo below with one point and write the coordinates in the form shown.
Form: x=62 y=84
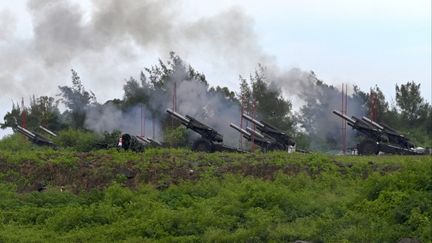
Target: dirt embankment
x=90 y=171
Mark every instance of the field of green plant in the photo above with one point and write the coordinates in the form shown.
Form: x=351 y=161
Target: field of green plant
x=175 y=195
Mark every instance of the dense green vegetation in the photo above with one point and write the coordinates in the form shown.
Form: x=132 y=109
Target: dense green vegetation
x=78 y=193
x=177 y=195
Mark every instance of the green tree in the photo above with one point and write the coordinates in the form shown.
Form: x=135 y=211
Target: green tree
x=411 y=115
x=315 y=117
x=157 y=87
x=377 y=104
x=135 y=93
x=44 y=111
x=76 y=99
x=412 y=105
x=269 y=103
x=225 y=92
x=373 y=102
x=245 y=95
x=12 y=116
x=162 y=75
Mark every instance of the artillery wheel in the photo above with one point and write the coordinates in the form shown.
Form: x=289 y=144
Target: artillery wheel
x=126 y=141
x=202 y=145
x=368 y=147
x=275 y=147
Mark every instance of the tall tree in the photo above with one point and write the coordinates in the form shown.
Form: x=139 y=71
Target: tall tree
x=225 y=92
x=315 y=115
x=372 y=102
x=412 y=105
x=245 y=95
x=12 y=116
x=76 y=99
x=44 y=111
x=269 y=103
x=135 y=93
x=162 y=75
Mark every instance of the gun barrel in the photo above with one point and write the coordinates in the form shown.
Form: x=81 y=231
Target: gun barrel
x=367 y=120
x=48 y=131
x=255 y=133
x=387 y=127
x=240 y=130
x=178 y=116
x=25 y=131
x=154 y=141
x=343 y=116
x=251 y=119
x=142 y=139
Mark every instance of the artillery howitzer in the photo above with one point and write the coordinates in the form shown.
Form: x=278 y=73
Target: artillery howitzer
x=48 y=131
x=267 y=136
x=210 y=141
x=379 y=137
x=257 y=138
x=33 y=136
x=137 y=143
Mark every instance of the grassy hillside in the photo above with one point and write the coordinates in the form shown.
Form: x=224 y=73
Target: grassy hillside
x=177 y=195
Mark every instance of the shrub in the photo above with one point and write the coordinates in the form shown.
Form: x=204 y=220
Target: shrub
x=15 y=142
x=176 y=137
x=76 y=139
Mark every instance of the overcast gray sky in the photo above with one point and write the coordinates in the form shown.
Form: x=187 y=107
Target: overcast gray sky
x=360 y=42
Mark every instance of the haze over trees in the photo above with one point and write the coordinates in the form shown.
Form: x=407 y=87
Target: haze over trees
x=312 y=125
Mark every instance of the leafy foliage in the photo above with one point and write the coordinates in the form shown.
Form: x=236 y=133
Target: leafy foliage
x=410 y=101
x=77 y=140
x=176 y=137
x=76 y=99
x=266 y=101
x=232 y=197
x=15 y=142
x=42 y=111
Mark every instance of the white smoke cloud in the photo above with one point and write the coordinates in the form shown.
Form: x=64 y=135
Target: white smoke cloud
x=212 y=109
x=109 y=42
x=302 y=87
x=8 y=25
x=137 y=120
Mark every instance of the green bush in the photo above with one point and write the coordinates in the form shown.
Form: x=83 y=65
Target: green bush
x=231 y=198
x=77 y=140
x=176 y=137
x=15 y=142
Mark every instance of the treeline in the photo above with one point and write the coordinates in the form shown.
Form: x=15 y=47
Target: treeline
x=410 y=113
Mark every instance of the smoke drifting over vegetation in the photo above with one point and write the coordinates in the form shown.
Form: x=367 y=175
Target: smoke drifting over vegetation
x=123 y=31
x=109 y=42
x=315 y=101
x=110 y=118
x=151 y=99
x=211 y=108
